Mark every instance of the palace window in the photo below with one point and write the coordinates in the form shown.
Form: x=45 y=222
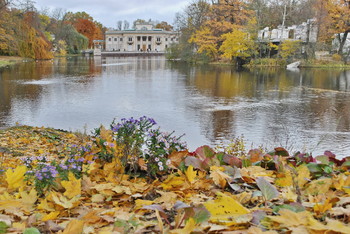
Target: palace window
x=149 y=38
x=121 y=39
x=144 y=38
x=129 y=38
x=115 y=39
x=158 y=38
x=109 y=39
x=138 y=38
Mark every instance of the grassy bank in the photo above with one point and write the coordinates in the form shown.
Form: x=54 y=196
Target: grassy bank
x=53 y=180
x=268 y=62
x=9 y=60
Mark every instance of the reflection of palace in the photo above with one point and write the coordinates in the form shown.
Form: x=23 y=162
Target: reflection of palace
x=137 y=64
x=144 y=38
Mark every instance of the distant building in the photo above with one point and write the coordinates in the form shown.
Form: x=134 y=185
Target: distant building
x=144 y=38
x=305 y=32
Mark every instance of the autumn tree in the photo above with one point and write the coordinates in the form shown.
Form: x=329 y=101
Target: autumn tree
x=339 y=18
x=9 y=25
x=288 y=49
x=164 y=25
x=223 y=16
x=87 y=28
x=237 y=44
x=206 y=42
x=188 y=22
x=139 y=21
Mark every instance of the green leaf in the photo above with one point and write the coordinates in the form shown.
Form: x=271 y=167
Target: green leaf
x=268 y=190
x=327 y=169
x=295 y=207
x=31 y=231
x=323 y=159
x=3 y=227
x=314 y=168
x=346 y=164
x=201 y=214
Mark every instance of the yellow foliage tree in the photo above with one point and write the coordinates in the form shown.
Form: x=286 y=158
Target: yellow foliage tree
x=206 y=42
x=237 y=44
x=289 y=48
x=339 y=20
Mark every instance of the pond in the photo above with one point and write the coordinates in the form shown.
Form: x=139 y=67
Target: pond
x=302 y=110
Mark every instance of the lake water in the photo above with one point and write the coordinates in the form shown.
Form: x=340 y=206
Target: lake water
x=306 y=110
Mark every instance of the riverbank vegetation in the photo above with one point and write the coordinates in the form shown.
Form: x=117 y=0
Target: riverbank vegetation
x=9 y=60
x=134 y=177
x=212 y=30
x=28 y=33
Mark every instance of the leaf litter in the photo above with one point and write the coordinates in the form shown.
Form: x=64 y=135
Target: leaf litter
x=55 y=181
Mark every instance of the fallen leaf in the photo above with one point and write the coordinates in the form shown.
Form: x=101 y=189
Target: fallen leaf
x=219 y=177
x=75 y=226
x=72 y=186
x=268 y=190
x=51 y=216
x=15 y=178
x=190 y=174
x=225 y=209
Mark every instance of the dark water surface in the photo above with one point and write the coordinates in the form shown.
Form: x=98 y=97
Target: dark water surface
x=306 y=110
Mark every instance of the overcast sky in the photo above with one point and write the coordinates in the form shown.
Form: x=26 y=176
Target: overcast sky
x=108 y=12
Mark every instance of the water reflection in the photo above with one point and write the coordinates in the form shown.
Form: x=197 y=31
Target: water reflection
x=295 y=109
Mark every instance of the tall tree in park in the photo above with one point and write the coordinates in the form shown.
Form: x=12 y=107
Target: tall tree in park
x=85 y=24
x=9 y=25
x=223 y=16
x=188 y=22
x=339 y=19
x=87 y=28
x=237 y=44
x=34 y=43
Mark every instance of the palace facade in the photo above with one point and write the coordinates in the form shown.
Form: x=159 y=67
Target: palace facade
x=144 y=38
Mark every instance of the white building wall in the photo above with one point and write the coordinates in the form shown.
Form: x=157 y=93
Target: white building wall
x=143 y=40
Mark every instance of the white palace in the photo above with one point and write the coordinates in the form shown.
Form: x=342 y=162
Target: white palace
x=144 y=38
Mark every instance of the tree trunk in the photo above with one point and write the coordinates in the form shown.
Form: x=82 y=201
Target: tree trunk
x=342 y=41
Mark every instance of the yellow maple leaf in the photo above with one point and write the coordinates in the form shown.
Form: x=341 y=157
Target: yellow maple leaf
x=29 y=198
x=289 y=219
x=320 y=186
x=74 y=226
x=284 y=179
x=336 y=226
x=44 y=205
x=303 y=175
x=218 y=176
x=226 y=210
x=63 y=201
x=188 y=228
x=190 y=174
x=72 y=186
x=51 y=216
x=15 y=179
x=173 y=181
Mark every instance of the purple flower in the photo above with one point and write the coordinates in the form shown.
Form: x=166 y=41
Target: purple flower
x=64 y=167
x=38 y=175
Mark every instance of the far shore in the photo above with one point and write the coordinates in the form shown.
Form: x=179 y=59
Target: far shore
x=9 y=60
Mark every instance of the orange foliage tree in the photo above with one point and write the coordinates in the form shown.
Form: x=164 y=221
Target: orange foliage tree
x=87 y=28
